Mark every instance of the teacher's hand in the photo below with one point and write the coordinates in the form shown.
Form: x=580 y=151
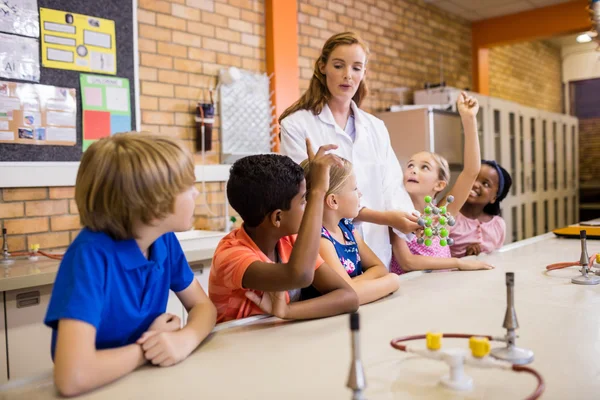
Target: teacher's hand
x=403 y=221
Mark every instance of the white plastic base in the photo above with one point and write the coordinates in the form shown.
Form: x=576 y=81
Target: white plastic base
x=464 y=383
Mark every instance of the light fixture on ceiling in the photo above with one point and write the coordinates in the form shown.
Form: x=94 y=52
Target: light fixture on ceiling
x=584 y=38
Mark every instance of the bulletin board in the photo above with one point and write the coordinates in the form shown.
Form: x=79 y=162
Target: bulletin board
x=121 y=12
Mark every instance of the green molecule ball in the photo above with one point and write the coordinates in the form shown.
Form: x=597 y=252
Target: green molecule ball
x=427 y=199
x=443 y=242
x=428 y=242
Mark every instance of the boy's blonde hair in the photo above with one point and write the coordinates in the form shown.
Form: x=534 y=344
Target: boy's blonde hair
x=337 y=175
x=131 y=177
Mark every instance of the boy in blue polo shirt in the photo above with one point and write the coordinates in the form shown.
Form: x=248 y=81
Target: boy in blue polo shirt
x=107 y=310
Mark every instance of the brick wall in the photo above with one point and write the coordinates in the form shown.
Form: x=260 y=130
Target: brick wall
x=589 y=139
x=407 y=40
x=529 y=74
x=182 y=46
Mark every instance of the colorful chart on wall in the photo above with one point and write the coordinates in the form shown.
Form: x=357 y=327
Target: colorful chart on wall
x=78 y=42
x=37 y=114
x=105 y=105
x=19 y=58
x=20 y=17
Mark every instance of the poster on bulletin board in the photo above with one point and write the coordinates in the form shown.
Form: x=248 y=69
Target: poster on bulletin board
x=20 y=17
x=105 y=103
x=37 y=114
x=78 y=42
x=19 y=58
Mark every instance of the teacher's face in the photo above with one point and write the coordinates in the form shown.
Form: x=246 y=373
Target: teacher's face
x=344 y=71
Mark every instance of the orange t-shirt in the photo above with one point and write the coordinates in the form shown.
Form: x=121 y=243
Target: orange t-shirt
x=233 y=256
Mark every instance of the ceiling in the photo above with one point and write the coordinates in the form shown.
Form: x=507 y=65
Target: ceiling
x=475 y=10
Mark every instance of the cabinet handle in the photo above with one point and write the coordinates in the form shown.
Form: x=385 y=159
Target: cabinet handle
x=28 y=299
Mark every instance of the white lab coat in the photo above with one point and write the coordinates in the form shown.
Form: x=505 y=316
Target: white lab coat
x=378 y=173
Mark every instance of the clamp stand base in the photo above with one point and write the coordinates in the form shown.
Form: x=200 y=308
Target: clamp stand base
x=514 y=355
x=7 y=262
x=586 y=280
x=464 y=383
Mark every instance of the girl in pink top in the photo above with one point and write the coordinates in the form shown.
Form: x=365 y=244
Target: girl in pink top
x=428 y=174
x=479 y=227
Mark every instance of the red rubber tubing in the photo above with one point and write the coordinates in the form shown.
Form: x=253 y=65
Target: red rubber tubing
x=569 y=264
x=541 y=386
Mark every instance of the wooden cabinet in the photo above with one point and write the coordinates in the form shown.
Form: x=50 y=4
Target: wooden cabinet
x=27 y=337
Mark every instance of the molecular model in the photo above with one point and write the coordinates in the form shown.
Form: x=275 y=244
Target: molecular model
x=434 y=221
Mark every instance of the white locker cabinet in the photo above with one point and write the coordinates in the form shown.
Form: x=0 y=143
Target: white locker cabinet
x=540 y=151
x=3 y=357
x=27 y=337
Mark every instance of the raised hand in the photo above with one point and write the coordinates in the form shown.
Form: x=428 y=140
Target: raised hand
x=320 y=165
x=468 y=106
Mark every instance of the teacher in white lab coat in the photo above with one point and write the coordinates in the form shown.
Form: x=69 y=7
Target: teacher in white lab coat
x=328 y=112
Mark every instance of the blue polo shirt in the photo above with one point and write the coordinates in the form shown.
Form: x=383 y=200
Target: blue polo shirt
x=111 y=285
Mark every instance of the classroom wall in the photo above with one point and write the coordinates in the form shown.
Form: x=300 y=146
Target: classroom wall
x=182 y=46
x=407 y=40
x=528 y=73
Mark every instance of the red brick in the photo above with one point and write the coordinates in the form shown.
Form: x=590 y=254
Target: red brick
x=148 y=74
x=16 y=243
x=170 y=49
x=308 y=9
x=158 y=118
x=229 y=60
x=206 y=5
x=73 y=207
x=12 y=210
x=66 y=192
x=318 y=22
x=241 y=50
x=228 y=11
x=253 y=17
x=215 y=44
x=49 y=240
x=153 y=60
x=188 y=65
x=157 y=89
x=186 y=92
x=184 y=119
x=26 y=225
x=146 y=45
x=171 y=22
x=203 y=81
x=155 y=5
x=65 y=223
x=46 y=207
x=252 y=40
x=146 y=17
x=24 y=194
x=152 y=32
x=229 y=35
x=175 y=105
x=185 y=12
x=214 y=19
x=203 y=55
x=172 y=77
x=336 y=8
x=148 y=103
x=187 y=39
x=252 y=64
x=240 y=26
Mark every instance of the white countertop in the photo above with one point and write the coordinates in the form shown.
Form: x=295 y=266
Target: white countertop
x=197 y=246
x=271 y=359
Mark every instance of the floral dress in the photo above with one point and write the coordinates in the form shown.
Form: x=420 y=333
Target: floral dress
x=348 y=251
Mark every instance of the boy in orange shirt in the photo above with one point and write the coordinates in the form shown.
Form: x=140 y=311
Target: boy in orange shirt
x=262 y=266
